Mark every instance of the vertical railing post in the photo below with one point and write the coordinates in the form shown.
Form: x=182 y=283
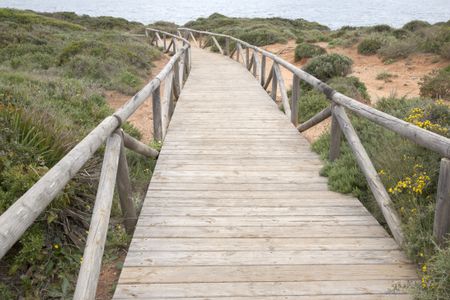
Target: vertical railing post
x=294 y=99
x=156 y=102
x=247 y=58
x=274 y=84
x=335 y=138
x=441 y=227
x=263 y=69
x=124 y=190
x=238 y=51
x=164 y=42
x=95 y=243
x=254 y=64
x=227 y=47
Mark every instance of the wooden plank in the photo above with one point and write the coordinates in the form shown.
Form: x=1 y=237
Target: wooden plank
x=284 y=221
x=262 y=244
x=245 y=258
x=385 y=296
x=191 y=274
x=255 y=211
x=302 y=231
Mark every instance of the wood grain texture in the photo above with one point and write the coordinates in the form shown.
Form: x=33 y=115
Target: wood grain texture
x=236 y=208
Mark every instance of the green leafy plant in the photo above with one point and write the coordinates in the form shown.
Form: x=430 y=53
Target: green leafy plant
x=305 y=50
x=327 y=66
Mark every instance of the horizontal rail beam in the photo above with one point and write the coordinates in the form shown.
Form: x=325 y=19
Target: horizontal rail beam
x=316 y=119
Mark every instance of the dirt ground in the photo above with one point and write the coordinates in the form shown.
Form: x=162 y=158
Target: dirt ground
x=407 y=72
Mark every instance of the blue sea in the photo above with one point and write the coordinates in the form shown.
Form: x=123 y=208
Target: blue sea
x=333 y=13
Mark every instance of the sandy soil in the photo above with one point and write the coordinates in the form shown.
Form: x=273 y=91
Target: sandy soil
x=109 y=276
x=142 y=119
x=407 y=72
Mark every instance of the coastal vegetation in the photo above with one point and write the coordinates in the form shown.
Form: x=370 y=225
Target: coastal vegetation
x=54 y=70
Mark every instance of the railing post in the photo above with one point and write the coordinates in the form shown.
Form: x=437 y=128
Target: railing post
x=441 y=227
x=238 y=51
x=247 y=58
x=274 y=84
x=95 y=243
x=335 y=136
x=294 y=99
x=227 y=47
x=164 y=42
x=156 y=102
x=263 y=69
x=125 y=191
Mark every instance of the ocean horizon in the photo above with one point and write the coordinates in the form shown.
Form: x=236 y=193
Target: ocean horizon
x=333 y=14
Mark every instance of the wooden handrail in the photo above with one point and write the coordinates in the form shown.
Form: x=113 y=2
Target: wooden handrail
x=21 y=215
x=341 y=123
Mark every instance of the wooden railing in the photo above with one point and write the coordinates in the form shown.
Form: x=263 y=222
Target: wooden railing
x=21 y=215
x=256 y=60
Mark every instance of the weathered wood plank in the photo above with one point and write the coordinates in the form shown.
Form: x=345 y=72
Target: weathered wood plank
x=441 y=226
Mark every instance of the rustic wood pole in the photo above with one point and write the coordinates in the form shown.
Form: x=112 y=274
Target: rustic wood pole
x=156 y=102
x=283 y=91
x=164 y=42
x=124 y=190
x=176 y=78
x=441 y=228
x=274 y=84
x=238 y=51
x=373 y=179
x=217 y=45
x=165 y=103
x=335 y=136
x=95 y=244
x=254 y=70
x=263 y=69
x=138 y=147
x=316 y=119
x=227 y=46
x=294 y=99
x=247 y=58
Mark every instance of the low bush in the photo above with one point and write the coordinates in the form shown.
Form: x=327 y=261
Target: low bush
x=400 y=34
x=350 y=86
x=369 y=46
x=416 y=25
x=436 y=85
x=380 y=28
x=445 y=51
x=305 y=50
x=312 y=36
x=311 y=103
x=327 y=66
x=398 y=49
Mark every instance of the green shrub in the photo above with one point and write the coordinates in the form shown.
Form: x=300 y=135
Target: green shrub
x=380 y=28
x=400 y=33
x=327 y=66
x=416 y=25
x=305 y=50
x=436 y=85
x=398 y=49
x=350 y=86
x=312 y=36
x=445 y=51
x=310 y=104
x=369 y=46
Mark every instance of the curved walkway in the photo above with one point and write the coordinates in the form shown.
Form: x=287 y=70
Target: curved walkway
x=236 y=208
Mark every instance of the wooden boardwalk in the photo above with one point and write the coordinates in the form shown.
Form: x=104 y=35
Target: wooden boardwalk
x=236 y=208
